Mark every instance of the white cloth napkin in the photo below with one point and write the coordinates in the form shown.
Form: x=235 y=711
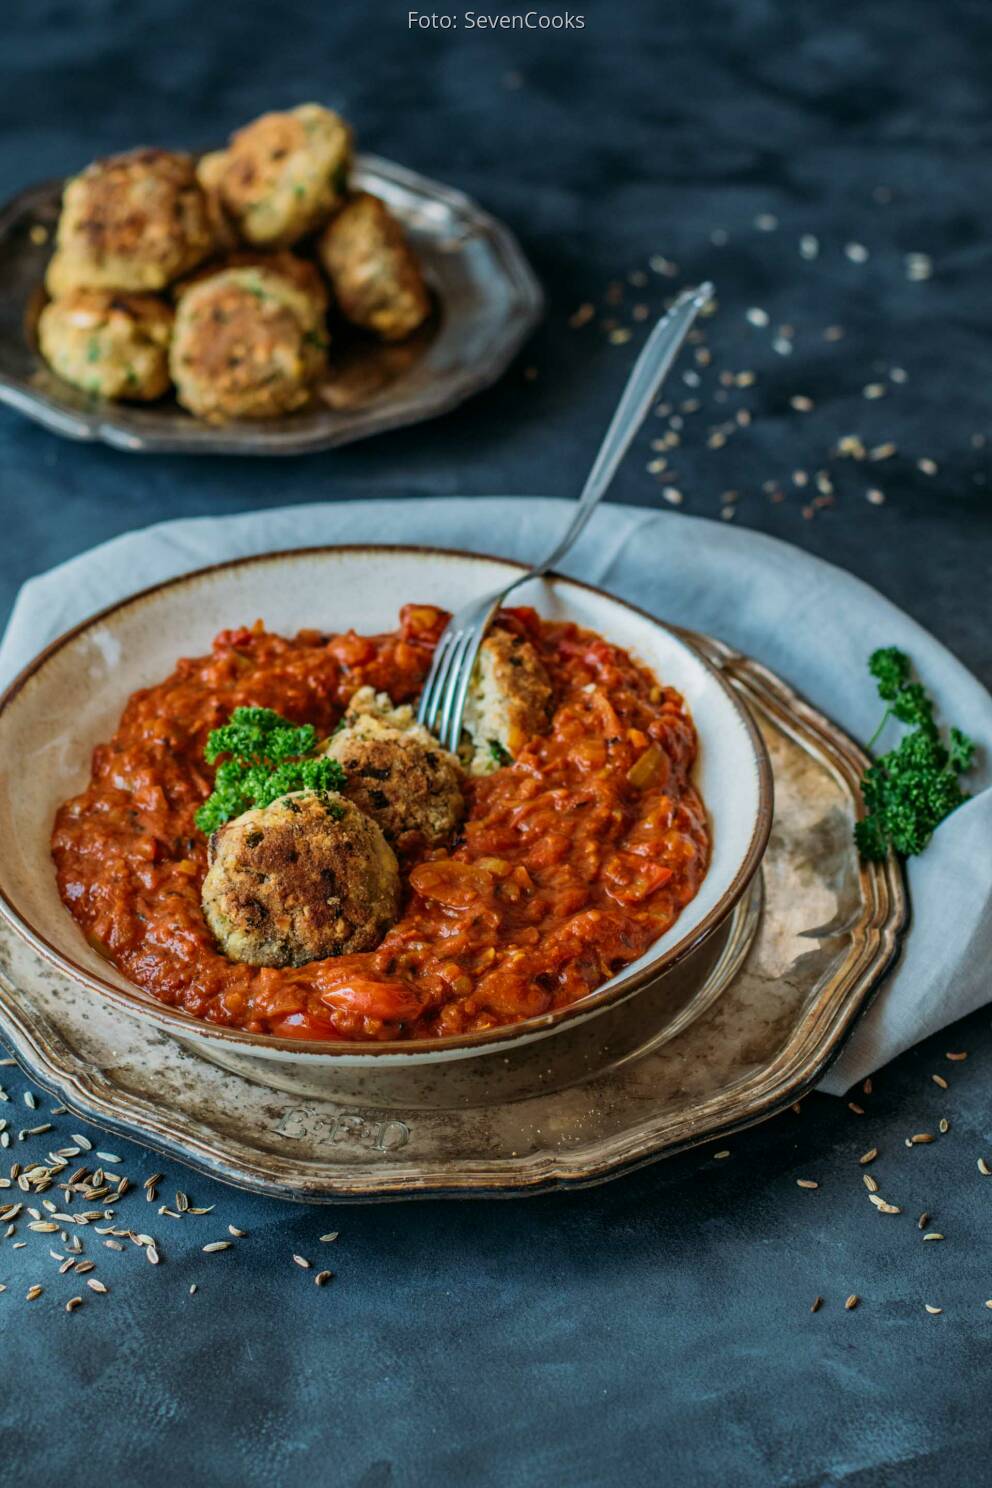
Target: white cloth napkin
x=808 y=621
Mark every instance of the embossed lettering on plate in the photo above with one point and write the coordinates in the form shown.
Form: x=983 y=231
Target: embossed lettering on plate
x=298 y=1122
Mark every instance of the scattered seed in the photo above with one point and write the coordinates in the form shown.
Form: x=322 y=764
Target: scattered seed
x=766 y=222
x=874 y=390
x=852 y=1302
x=192 y=1289
x=33 y=1292
x=858 y=1110
x=870 y=1183
x=331 y=1235
x=582 y=316
x=869 y=1156
x=30 y=1101
x=956 y=1057
x=152 y=1255
x=302 y=1261
x=113 y=1245
x=943 y=1125
x=984 y=1168
x=216 y=1245
x=801 y=403
x=97 y=1286
x=322 y=1278
x=151 y=1181
x=809 y=246
x=856 y=252
x=73 y=1303
x=932 y=1310
x=806 y=1183
x=933 y=1235
x=919 y=266
x=939 y=1080
x=929 y=467
x=923 y=1220
x=919 y=1138
x=758 y=317
x=718 y=1155
x=817 y=1304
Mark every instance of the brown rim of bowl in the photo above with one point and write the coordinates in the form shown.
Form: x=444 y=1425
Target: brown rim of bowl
x=176 y=1021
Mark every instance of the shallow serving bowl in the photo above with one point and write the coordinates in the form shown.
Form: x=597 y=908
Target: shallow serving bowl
x=71 y=697
x=488 y=303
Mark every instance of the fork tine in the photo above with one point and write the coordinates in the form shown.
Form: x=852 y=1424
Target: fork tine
x=456 y=686
x=429 y=694
x=459 y=686
x=432 y=691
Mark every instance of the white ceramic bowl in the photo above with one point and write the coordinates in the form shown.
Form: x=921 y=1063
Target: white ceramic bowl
x=71 y=696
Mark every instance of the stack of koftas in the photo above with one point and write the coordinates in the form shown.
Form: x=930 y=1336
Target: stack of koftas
x=216 y=276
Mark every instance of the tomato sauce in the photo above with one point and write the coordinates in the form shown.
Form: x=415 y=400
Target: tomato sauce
x=570 y=863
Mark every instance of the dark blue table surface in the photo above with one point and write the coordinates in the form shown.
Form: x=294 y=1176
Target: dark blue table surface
x=658 y=1329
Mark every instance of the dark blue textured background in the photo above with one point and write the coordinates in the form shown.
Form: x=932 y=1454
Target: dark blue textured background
x=656 y=1330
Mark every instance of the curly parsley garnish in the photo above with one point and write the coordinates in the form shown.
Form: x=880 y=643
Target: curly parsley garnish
x=267 y=757
x=909 y=791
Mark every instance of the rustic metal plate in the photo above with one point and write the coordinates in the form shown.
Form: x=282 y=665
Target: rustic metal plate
x=488 y=301
x=794 y=978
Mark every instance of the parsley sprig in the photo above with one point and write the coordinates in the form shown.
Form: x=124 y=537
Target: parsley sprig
x=267 y=756
x=910 y=790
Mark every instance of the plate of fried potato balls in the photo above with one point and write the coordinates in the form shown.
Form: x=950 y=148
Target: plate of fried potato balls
x=276 y=296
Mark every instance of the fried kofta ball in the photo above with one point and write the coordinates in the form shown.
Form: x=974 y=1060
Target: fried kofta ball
x=134 y=222
x=307 y=877
x=373 y=271
x=397 y=773
x=109 y=343
x=282 y=175
x=510 y=700
x=301 y=274
x=248 y=344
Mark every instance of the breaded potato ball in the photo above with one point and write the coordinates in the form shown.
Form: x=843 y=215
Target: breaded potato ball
x=282 y=175
x=398 y=774
x=510 y=700
x=109 y=343
x=134 y=221
x=249 y=344
x=373 y=271
x=307 y=877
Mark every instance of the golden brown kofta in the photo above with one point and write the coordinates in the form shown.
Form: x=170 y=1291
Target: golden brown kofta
x=307 y=877
x=109 y=343
x=282 y=175
x=135 y=222
x=248 y=343
x=397 y=773
x=373 y=271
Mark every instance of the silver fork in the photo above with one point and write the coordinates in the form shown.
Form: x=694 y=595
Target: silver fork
x=442 y=701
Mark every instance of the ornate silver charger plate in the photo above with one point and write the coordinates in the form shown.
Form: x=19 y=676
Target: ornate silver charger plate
x=731 y=1040
x=487 y=303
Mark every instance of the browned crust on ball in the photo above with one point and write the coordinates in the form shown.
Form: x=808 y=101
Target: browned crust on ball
x=373 y=270
x=308 y=877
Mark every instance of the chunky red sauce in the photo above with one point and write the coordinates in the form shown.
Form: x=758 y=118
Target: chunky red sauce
x=565 y=871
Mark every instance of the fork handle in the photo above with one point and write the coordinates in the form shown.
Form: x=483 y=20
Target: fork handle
x=650 y=370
